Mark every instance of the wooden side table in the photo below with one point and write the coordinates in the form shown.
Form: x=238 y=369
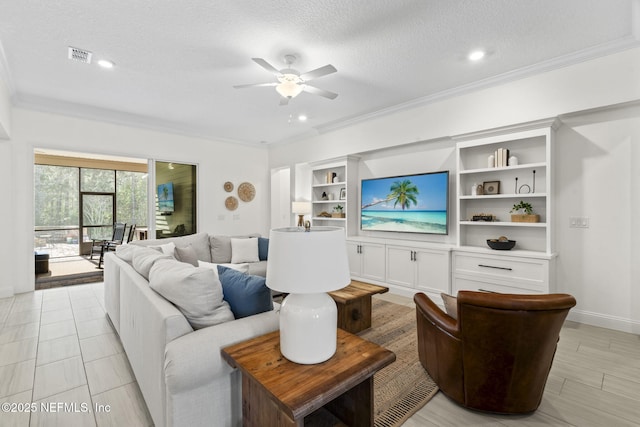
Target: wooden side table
x=278 y=392
x=354 y=305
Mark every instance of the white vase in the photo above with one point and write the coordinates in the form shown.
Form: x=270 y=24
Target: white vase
x=513 y=161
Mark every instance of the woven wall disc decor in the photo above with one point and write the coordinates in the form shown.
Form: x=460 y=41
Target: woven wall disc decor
x=246 y=191
x=228 y=186
x=231 y=203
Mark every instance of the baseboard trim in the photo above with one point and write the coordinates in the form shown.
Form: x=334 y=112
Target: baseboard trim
x=6 y=291
x=605 y=321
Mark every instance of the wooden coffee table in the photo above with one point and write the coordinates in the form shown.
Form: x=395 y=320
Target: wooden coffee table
x=278 y=392
x=354 y=305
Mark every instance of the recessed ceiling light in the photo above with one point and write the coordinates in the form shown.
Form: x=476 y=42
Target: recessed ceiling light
x=476 y=55
x=302 y=118
x=104 y=63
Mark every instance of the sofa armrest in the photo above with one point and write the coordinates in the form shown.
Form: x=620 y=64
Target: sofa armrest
x=194 y=359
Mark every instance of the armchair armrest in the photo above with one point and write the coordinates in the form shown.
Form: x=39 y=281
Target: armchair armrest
x=435 y=315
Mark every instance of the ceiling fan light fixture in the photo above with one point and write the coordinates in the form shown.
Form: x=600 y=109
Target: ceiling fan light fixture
x=289 y=89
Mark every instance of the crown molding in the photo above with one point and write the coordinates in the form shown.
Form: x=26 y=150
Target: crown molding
x=49 y=105
x=594 y=52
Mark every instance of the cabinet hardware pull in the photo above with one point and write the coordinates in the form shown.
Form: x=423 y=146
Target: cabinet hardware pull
x=493 y=266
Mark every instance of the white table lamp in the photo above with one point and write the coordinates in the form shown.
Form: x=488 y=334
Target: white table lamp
x=301 y=209
x=307 y=265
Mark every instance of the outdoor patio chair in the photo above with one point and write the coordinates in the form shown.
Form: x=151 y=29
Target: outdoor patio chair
x=102 y=246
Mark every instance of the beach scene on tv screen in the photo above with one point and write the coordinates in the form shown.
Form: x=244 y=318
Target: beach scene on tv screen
x=165 y=197
x=411 y=204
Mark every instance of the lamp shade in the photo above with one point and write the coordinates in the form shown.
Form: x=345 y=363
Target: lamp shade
x=305 y=262
x=301 y=208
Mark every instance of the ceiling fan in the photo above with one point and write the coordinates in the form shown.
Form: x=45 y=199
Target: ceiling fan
x=290 y=82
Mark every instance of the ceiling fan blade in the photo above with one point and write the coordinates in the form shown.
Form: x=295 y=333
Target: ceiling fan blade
x=318 y=72
x=255 y=85
x=321 y=92
x=284 y=100
x=264 y=64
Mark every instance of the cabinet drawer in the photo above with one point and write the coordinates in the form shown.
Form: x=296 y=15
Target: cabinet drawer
x=502 y=268
x=466 y=284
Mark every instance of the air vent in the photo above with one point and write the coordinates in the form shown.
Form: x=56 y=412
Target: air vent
x=79 y=55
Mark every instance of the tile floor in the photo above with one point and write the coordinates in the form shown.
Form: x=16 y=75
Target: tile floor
x=57 y=348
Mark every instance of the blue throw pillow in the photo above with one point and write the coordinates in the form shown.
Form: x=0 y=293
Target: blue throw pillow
x=246 y=294
x=263 y=248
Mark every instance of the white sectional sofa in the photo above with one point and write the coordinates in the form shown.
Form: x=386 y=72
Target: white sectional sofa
x=179 y=370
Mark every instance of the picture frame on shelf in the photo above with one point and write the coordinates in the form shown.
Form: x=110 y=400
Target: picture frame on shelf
x=491 y=187
x=343 y=193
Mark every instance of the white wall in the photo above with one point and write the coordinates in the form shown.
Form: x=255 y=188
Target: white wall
x=217 y=162
x=598 y=177
x=5 y=110
x=597 y=167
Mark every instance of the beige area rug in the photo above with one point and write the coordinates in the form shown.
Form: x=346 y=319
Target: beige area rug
x=403 y=387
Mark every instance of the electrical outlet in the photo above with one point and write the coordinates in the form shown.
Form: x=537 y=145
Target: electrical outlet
x=578 y=222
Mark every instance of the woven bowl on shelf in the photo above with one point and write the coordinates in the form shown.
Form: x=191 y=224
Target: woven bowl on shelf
x=501 y=246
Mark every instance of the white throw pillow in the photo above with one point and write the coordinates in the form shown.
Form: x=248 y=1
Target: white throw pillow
x=167 y=248
x=244 y=250
x=197 y=292
x=243 y=268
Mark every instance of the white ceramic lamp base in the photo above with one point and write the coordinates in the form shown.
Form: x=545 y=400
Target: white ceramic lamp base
x=308 y=328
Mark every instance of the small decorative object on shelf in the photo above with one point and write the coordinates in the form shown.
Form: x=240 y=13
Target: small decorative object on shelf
x=324 y=196
x=526 y=213
x=491 y=187
x=513 y=161
x=343 y=193
x=502 y=243
x=337 y=212
x=483 y=217
x=491 y=161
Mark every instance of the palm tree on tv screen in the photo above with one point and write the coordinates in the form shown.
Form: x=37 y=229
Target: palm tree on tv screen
x=401 y=192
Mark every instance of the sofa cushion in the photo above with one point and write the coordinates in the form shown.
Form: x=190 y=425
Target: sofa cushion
x=263 y=248
x=221 y=247
x=258 y=268
x=243 y=268
x=187 y=254
x=244 y=250
x=199 y=242
x=196 y=292
x=144 y=259
x=246 y=294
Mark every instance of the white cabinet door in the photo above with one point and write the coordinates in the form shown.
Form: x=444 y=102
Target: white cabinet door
x=366 y=260
x=372 y=261
x=355 y=260
x=401 y=268
x=433 y=270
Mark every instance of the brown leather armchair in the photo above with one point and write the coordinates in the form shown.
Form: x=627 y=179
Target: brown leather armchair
x=496 y=356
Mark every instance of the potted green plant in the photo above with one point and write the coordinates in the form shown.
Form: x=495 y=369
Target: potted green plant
x=337 y=211
x=523 y=212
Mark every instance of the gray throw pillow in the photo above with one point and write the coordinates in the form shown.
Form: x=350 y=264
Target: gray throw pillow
x=187 y=254
x=144 y=259
x=195 y=291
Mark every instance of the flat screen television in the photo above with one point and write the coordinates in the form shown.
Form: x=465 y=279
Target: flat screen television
x=165 y=198
x=408 y=203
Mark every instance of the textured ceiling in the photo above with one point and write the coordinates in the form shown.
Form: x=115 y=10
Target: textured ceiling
x=177 y=61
